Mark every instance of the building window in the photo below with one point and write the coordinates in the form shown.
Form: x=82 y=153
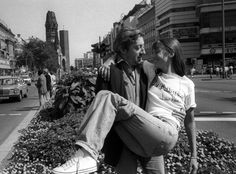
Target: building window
x=176 y=10
x=165 y=21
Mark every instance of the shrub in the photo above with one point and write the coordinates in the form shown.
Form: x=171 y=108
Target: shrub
x=73 y=94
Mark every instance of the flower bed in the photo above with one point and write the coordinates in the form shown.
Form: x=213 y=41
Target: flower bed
x=49 y=140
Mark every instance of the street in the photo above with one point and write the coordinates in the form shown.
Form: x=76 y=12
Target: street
x=216 y=109
x=13 y=112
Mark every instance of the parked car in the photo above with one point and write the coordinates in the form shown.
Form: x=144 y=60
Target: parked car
x=27 y=79
x=13 y=87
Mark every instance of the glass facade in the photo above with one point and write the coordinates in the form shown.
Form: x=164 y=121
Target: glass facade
x=214 y=19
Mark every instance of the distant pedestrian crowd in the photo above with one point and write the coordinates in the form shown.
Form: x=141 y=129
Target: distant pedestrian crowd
x=217 y=71
x=45 y=83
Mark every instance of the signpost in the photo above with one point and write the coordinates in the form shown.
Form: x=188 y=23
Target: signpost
x=223 y=38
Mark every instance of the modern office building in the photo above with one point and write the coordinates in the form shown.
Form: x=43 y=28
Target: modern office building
x=210 y=16
x=147 y=24
x=178 y=19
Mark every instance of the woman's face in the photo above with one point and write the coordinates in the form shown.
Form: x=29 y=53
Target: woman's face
x=160 y=60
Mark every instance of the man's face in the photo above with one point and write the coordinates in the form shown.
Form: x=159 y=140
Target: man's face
x=135 y=51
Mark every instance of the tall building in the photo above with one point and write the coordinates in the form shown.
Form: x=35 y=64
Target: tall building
x=52 y=29
x=178 y=19
x=64 y=43
x=210 y=15
x=147 y=24
x=7 y=54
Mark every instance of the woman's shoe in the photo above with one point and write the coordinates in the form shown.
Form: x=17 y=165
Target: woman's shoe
x=81 y=163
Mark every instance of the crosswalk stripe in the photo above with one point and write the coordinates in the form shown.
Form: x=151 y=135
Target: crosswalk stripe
x=207 y=112
x=228 y=112
x=214 y=119
x=10 y=114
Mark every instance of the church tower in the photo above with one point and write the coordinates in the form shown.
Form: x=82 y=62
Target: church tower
x=52 y=29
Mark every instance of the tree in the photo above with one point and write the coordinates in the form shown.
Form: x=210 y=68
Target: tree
x=38 y=54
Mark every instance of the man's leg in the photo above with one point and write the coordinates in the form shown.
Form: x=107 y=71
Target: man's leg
x=127 y=162
x=153 y=165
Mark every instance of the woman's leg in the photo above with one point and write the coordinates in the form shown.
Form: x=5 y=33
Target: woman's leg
x=143 y=134
x=99 y=119
x=147 y=135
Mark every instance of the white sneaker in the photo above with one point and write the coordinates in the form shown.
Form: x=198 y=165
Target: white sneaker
x=80 y=163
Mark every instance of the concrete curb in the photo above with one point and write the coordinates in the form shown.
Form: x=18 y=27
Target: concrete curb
x=8 y=144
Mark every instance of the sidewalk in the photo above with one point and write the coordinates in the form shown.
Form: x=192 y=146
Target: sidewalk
x=206 y=77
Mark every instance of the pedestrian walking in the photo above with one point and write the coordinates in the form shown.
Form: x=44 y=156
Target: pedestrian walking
x=154 y=132
x=221 y=72
x=231 y=71
x=211 y=72
x=217 y=71
x=42 y=87
x=226 y=75
x=48 y=83
x=192 y=71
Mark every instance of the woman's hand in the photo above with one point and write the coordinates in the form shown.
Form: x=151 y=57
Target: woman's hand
x=104 y=70
x=193 y=166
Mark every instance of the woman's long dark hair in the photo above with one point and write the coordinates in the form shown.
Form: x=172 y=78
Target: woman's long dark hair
x=172 y=44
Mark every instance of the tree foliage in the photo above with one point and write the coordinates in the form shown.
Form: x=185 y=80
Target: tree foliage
x=38 y=54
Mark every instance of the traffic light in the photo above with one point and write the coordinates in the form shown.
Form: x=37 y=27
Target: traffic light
x=104 y=47
x=96 y=48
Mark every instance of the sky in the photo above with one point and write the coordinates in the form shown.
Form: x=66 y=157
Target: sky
x=85 y=20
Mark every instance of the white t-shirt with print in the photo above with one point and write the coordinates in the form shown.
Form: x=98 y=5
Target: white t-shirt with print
x=169 y=95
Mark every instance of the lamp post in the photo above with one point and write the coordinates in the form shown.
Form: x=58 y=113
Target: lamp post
x=223 y=38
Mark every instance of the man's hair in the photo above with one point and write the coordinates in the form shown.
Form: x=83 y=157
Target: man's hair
x=40 y=72
x=172 y=45
x=125 y=37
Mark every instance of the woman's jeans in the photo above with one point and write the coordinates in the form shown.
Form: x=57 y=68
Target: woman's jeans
x=142 y=133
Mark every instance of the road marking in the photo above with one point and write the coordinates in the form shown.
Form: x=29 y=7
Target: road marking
x=207 y=91
x=228 y=112
x=10 y=114
x=14 y=114
x=214 y=119
x=214 y=112
x=207 y=112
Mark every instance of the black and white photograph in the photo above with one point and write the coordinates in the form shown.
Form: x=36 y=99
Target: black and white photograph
x=117 y=87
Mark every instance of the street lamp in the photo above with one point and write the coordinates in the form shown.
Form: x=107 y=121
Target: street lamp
x=223 y=38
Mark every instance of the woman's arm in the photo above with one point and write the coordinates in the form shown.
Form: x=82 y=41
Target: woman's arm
x=190 y=128
x=104 y=70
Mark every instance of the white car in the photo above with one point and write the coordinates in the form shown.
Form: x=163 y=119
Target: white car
x=27 y=79
x=13 y=87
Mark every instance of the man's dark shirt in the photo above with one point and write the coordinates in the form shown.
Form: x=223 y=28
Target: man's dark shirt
x=113 y=145
x=48 y=81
